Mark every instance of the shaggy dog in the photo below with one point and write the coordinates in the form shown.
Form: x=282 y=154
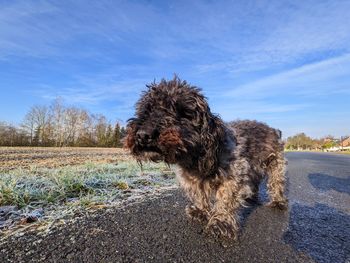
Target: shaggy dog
x=220 y=164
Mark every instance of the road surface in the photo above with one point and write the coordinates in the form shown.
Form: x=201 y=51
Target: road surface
x=316 y=227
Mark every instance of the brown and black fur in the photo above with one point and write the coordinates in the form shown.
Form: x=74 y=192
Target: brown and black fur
x=220 y=165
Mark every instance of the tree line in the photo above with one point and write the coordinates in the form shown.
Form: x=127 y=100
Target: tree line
x=60 y=126
x=301 y=141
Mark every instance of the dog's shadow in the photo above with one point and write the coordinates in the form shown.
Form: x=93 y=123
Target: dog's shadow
x=325 y=182
x=320 y=231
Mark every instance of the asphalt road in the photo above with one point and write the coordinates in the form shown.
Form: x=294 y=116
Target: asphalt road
x=316 y=227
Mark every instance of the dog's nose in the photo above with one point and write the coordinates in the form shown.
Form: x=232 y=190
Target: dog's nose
x=143 y=136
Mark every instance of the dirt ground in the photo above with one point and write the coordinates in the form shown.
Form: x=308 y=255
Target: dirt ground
x=51 y=157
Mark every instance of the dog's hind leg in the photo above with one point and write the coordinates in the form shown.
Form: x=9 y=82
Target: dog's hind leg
x=276 y=181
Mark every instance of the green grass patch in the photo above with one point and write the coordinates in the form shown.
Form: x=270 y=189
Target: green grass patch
x=83 y=184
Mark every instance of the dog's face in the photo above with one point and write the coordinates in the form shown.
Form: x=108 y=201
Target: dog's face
x=168 y=121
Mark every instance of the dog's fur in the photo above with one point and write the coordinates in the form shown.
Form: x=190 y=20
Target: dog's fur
x=220 y=164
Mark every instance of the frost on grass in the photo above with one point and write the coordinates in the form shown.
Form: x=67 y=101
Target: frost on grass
x=42 y=194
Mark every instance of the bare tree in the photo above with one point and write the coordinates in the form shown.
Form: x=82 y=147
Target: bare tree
x=42 y=118
x=86 y=129
x=36 y=123
x=57 y=116
x=71 y=123
x=100 y=129
x=29 y=124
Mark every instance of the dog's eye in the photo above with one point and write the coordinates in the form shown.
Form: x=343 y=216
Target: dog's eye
x=146 y=110
x=184 y=111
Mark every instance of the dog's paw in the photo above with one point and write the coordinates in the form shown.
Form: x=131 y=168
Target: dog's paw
x=254 y=200
x=196 y=214
x=222 y=229
x=281 y=204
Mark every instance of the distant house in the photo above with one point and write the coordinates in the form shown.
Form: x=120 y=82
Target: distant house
x=331 y=139
x=328 y=139
x=346 y=142
x=340 y=145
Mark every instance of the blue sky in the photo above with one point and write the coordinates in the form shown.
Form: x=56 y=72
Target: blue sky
x=286 y=63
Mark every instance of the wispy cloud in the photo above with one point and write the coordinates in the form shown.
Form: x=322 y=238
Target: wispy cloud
x=93 y=95
x=280 y=34
x=319 y=78
x=48 y=28
x=253 y=108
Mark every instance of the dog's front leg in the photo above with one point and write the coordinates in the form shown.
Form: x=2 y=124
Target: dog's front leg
x=198 y=192
x=199 y=210
x=224 y=217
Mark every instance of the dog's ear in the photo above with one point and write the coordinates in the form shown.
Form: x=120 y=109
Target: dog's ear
x=129 y=140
